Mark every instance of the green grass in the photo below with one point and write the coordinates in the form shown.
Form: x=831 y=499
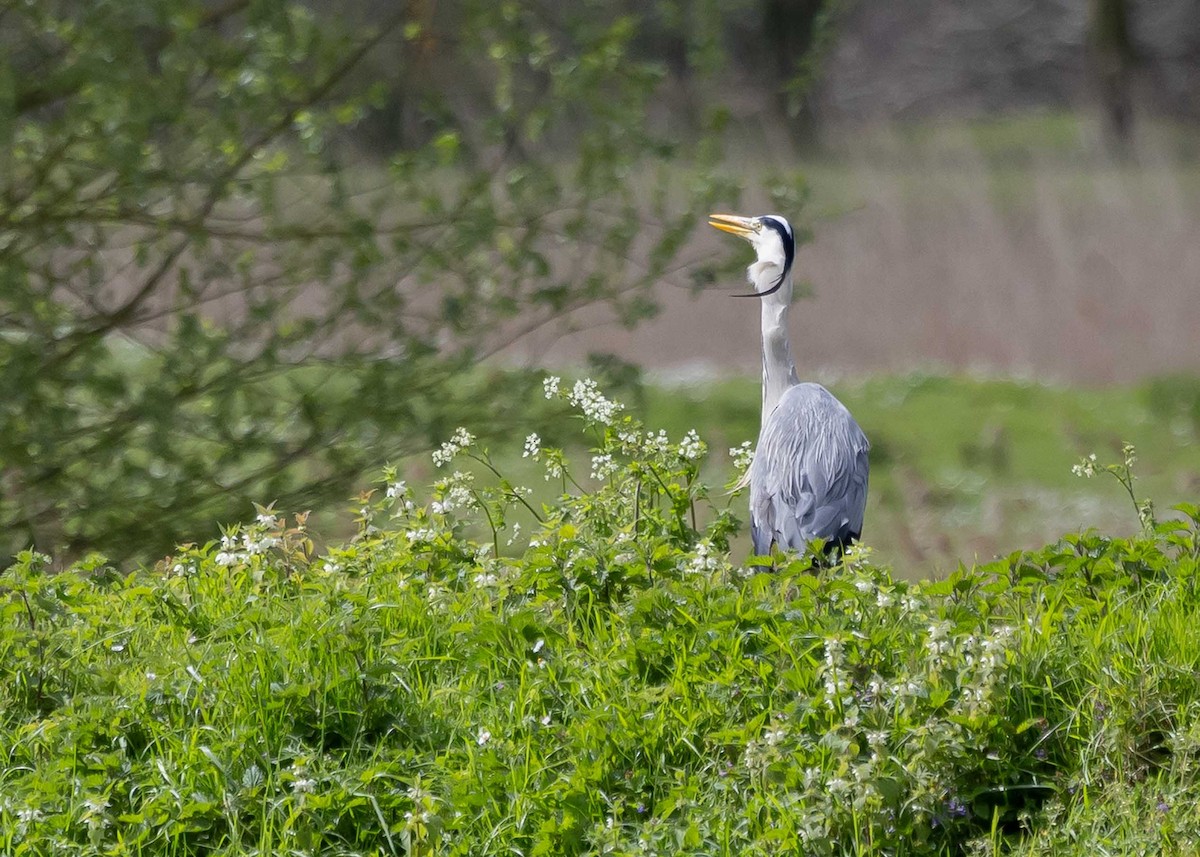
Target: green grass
x=618 y=684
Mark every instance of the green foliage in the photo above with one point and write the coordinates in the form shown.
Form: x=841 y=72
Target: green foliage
x=618 y=685
x=184 y=222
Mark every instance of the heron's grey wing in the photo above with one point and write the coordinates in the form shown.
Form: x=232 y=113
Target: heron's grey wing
x=809 y=476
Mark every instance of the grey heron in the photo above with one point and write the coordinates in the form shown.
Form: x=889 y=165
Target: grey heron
x=808 y=479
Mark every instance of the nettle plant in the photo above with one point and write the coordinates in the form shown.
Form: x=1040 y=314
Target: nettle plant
x=638 y=509
x=850 y=707
x=480 y=673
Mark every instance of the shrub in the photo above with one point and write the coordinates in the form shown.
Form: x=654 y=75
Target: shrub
x=615 y=684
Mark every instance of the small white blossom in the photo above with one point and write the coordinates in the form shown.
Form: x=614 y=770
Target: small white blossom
x=692 y=447
x=603 y=466
x=550 y=385
x=533 y=447
x=656 y=443
x=269 y=521
x=1086 y=467
x=461 y=440
x=704 y=561
x=397 y=491
x=455 y=493
x=483 y=737
x=586 y=396
x=742 y=455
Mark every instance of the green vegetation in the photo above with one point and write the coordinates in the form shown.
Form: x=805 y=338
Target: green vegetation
x=182 y=175
x=620 y=684
x=970 y=469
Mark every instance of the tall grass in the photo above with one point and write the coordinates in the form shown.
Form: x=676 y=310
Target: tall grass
x=620 y=685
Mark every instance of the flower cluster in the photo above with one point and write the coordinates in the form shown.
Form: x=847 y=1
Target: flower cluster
x=461 y=440
x=533 y=447
x=834 y=674
x=454 y=493
x=401 y=497
x=586 y=396
x=603 y=466
x=236 y=550
x=704 y=561
x=983 y=660
x=742 y=456
x=692 y=447
x=1086 y=467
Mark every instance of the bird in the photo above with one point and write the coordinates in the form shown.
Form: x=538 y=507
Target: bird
x=808 y=478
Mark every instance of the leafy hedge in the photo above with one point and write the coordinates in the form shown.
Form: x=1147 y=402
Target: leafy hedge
x=617 y=684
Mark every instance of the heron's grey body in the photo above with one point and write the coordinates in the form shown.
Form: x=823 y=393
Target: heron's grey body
x=809 y=476
x=808 y=479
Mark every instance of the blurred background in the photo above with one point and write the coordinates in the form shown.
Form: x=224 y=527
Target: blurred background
x=253 y=251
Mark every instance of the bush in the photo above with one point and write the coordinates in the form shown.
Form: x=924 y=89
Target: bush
x=617 y=684
x=206 y=292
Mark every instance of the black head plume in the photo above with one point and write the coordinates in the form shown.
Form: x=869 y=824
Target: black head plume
x=788 y=240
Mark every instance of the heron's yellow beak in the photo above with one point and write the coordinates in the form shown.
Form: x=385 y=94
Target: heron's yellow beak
x=743 y=227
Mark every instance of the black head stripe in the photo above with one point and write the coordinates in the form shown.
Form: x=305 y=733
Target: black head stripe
x=784 y=230
x=785 y=235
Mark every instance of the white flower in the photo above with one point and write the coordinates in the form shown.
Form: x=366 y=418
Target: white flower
x=1086 y=467
x=742 y=455
x=692 y=447
x=603 y=466
x=397 y=491
x=455 y=493
x=533 y=447
x=703 y=561
x=586 y=396
x=483 y=737
x=550 y=385
x=269 y=521
x=659 y=443
x=461 y=440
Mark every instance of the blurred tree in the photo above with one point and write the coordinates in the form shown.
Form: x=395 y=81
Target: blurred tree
x=205 y=298
x=1113 y=59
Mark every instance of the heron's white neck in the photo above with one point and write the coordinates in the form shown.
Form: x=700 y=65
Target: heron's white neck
x=779 y=371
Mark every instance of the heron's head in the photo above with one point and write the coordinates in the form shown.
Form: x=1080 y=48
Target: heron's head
x=774 y=244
